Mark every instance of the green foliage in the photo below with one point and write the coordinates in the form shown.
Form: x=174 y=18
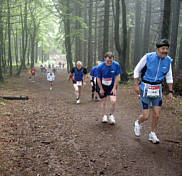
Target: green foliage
x=2 y=103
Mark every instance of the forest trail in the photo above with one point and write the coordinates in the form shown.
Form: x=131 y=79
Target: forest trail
x=49 y=135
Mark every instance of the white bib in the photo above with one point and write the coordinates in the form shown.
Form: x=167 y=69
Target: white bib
x=79 y=83
x=153 y=91
x=107 y=81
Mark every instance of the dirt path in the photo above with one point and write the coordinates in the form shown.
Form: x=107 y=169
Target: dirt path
x=49 y=135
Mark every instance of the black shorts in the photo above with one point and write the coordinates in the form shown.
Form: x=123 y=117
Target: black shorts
x=107 y=91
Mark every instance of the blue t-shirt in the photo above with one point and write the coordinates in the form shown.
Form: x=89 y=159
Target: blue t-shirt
x=107 y=74
x=93 y=72
x=78 y=74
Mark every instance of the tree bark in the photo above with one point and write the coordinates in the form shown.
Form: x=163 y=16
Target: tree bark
x=166 y=20
x=137 y=32
x=90 y=37
x=1 y=46
x=146 y=36
x=9 y=40
x=121 y=50
x=174 y=30
x=67 y=37
x=106 y=27
x=180 y=56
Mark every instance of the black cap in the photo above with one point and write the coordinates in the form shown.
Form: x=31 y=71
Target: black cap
x=162 y=42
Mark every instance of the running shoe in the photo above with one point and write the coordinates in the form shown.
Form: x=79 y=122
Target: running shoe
x=153 y=138
x=112 y=120
x=78 y=101
x=137 y=128
x=104 y=119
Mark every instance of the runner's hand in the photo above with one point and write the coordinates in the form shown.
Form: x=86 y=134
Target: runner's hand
x=113 y=91
x=137 y=89
x=102 y=92
x=84 y=83
x=92 y=84
x=170 y=97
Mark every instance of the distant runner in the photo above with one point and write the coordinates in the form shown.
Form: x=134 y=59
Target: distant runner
x=78 y=76
x=50 y=78
x=93 y=82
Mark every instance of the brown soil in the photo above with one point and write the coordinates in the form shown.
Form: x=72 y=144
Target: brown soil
x=49 y=135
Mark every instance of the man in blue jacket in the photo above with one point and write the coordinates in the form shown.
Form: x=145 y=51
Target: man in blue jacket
x=154 y=68
x=107 y=79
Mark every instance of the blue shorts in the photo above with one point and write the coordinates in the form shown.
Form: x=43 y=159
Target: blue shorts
x=107 y=91
x=147 y=102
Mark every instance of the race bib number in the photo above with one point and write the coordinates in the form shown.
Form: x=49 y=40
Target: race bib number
x=107 y=81
x=153 y=91
x=79 y=83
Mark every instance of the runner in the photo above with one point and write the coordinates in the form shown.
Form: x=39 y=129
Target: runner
x=93 y=81
x=32 y=70
x=107 y=78
x=155 y=67
x=78 y=75
x=50 y=78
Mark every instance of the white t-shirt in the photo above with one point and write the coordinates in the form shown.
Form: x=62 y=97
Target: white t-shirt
x=50 y=77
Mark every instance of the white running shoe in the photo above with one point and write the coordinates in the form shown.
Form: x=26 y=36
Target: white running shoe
x=153 y=138
x=78 y=101
x=104 y=119
x=137 y=128
x=112 y=120
x=50 y=88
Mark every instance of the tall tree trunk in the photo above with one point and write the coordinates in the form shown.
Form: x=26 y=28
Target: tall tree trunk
x=36 y=52
x=106 y=27
x=85 y=44
x=1 y=45
x=95 y=46
x=121 y=51
x=166 y=19
x=100 y=36
x=24 y=38
x=180 y=56
x=16 y=47
x=78 y=48
x=111 y=47
x=67 y=37
x=146 y=36
x=9 y=40
x=90 y=48
x=174 y=30
x=137 y=32
x=128 y=55
x=124 y=76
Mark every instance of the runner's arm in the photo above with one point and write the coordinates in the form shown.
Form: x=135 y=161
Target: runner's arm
x=99 y=83
x=169 y=81
x=140 y=66
x=71 y=73
x=116 y=82
x=137 y=72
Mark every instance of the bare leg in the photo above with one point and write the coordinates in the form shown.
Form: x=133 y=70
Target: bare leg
x=113 y=103
x=145 y=116
x=79 y=91
x=103 y=105
x=76 y=90
x=156 y=115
